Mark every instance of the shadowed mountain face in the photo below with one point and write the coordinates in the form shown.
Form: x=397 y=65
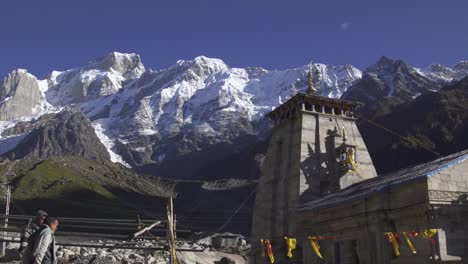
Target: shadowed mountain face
x=390 y=79
x=414 y=104
x=438 y=121
x=67 y=133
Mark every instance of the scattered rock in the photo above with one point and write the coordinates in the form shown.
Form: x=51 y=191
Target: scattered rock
x=10 y=255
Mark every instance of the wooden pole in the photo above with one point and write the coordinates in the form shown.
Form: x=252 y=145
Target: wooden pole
x=146 y=256
x=175 y=226
x=7 y=212
x=168 y=237
x=146 y=229
x=170 y=232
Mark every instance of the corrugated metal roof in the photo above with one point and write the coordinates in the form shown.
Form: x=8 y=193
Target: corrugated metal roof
x=371 y=186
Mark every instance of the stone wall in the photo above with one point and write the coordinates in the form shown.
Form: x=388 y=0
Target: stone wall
x=449 y=185
x=448 y=194
x=359 y=227
x=318 y=157
x=278 y=191
x=300 y=160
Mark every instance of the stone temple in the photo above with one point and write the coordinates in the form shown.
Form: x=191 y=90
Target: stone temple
x=318 y=179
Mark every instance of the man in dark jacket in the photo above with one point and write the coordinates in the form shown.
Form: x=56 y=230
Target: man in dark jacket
x=32 y=227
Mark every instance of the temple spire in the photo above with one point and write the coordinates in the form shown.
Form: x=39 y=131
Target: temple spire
x=311 y=89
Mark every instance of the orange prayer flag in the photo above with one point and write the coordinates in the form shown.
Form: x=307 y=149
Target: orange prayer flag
x=270 y=251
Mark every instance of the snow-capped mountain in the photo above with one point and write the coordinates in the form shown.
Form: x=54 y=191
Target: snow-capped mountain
x=397 y=79
x=103 y=77
x=22 y=95
x=446 y=74
x=146 y=117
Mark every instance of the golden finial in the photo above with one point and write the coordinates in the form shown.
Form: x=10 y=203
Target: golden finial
x=311 y=89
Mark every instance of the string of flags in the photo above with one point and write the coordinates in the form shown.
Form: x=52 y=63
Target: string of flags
x=395 y=242
x=392 y=238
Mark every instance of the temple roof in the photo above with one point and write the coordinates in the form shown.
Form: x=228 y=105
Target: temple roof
x=381 y=183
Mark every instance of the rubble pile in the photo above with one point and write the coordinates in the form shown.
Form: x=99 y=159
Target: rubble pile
x=204 y=251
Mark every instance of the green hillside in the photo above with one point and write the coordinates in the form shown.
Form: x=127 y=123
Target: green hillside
x=49 y=181
x=71 y=186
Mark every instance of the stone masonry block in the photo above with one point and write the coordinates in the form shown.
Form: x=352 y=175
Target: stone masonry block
x=443 y=186
x=453 y=187
x=445 y=177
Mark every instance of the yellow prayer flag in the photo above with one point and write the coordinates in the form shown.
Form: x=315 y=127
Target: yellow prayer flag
x=391 y=238
x=262 y=243
x=315 y=246
x=291 y=245
x=429 y=233
x=408 y=241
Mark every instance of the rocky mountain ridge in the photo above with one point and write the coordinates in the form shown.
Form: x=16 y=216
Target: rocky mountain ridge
x=146 y=117
x=433 y=124
x=196 y=112
x=67 y=133
x=398 y=80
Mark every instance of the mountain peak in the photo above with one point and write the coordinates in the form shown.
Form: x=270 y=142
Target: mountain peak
x=20 y=95
x=202 y=65
x=385 y=60
x=462 y=65
x=125 y=63
x=19 y=71
x=383 y=64
x=387 y=65
x=391 y=78
x=207 y=62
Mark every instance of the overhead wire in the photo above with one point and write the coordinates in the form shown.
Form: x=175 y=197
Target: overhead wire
x=237 y=210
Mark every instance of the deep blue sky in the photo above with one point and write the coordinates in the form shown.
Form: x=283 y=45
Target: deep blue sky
x=45 y=35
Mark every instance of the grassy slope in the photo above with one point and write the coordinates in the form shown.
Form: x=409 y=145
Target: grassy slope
x=75 y=187
x=47 y=180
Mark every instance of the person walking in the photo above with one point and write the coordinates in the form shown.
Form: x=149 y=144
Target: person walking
x=45 y=250
x=33 y=226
